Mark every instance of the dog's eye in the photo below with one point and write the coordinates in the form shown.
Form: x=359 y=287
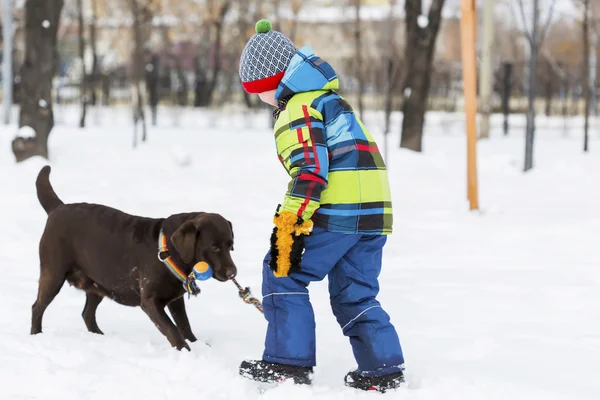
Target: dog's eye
x=214 y=247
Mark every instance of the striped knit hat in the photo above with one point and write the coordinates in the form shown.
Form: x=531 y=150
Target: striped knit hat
x=265 y=58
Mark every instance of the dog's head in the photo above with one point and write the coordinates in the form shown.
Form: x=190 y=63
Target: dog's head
x=207 y=237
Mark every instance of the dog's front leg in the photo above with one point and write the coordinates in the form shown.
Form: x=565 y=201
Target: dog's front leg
x=156 y=311
x=177 y=310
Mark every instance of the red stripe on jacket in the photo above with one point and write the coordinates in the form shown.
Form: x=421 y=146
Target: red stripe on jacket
x=306 y=155
x=364 y=147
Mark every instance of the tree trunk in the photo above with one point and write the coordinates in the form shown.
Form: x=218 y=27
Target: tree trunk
x=565 y=100
x=230 y=81
x=83 y=87
x=200 y=83
x=93 y=45
x=415 y=101
x=216 y=71
x=106 y=82
x=182 y=92
x=277 y=8
x=420 y=45
x=586 y=72
x=37 y=72
x=530 y=130
x=243 y=26
x=201 y=61
x=389 y=68
x=508 y=67
x=358 y=71
x=141 y=17
x=487 y=70
x=152 y=80
x=296 y=5
x=549 y=89
x=205 y=86
x=390 y=71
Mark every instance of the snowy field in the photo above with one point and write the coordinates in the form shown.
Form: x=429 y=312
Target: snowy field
x=503 y=303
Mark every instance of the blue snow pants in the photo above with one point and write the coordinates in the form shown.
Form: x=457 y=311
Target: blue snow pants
x=352 y=264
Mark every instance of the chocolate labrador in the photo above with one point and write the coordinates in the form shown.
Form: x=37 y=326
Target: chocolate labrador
x=108 y=253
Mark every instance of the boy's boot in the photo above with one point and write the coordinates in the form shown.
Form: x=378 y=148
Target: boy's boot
x=268 y=372
x=376 y=383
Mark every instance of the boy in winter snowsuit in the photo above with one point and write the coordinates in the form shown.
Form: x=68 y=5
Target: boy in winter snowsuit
x=333 y=221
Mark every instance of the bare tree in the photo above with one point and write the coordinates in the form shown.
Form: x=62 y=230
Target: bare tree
x=94 y=48
x=296 y=7
x=358 y=70
x=277 y=10
x=216 y=12
x=587 y=92
x=245 y=24
x=142 y=20
x=38 y=70
x=487 y=69
x=421 y=34
x=535 y=39
x=81 y=39
x=390 y=68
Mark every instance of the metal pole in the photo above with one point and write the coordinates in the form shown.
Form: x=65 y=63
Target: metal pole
x=487 y=68
x=7 y=73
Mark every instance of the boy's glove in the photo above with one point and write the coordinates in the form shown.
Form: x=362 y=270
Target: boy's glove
x=287 y=243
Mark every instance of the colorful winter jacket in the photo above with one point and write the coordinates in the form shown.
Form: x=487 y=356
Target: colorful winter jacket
x=338 y=176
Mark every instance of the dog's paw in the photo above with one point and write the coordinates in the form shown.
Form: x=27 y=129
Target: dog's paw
x=182 y=346
x=191 y=337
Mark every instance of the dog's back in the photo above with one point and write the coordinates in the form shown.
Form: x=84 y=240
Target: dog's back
x=94 y=245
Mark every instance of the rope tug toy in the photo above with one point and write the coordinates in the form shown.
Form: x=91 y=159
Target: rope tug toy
x=247 y=297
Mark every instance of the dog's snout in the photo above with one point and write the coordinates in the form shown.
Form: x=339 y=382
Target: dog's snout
x=230 y=272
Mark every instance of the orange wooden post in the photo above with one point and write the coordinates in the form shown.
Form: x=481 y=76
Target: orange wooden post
x=468 y=29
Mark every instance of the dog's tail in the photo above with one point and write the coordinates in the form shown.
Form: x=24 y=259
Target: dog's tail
x=46 y=194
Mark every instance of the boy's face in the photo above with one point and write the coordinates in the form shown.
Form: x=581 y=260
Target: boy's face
x=269 y=97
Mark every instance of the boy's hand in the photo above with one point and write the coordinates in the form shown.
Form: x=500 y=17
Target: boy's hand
x=287 y=243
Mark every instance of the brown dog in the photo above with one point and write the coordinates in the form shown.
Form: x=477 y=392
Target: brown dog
x=108 y=253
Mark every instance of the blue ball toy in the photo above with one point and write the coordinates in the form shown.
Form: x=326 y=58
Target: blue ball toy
x=202 y=271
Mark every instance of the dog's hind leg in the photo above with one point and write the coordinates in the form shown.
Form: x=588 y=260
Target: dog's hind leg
x=89 y=312
x=177 y=310
x=49 y=285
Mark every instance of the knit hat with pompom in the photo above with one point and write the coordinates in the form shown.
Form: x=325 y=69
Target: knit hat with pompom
x=265 y=58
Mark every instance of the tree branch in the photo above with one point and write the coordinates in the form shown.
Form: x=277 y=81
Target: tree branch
x=412 y=9
x=435 y=11
x=525 y=30
x=546 y=26
x=555 y=67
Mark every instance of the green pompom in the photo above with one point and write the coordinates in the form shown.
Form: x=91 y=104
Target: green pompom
x=263 y=26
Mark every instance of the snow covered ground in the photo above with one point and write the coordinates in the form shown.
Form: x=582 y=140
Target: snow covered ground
x=497 y=304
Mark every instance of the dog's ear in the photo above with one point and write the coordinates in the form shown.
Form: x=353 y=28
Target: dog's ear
x=232 y=236
x=184 y=240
